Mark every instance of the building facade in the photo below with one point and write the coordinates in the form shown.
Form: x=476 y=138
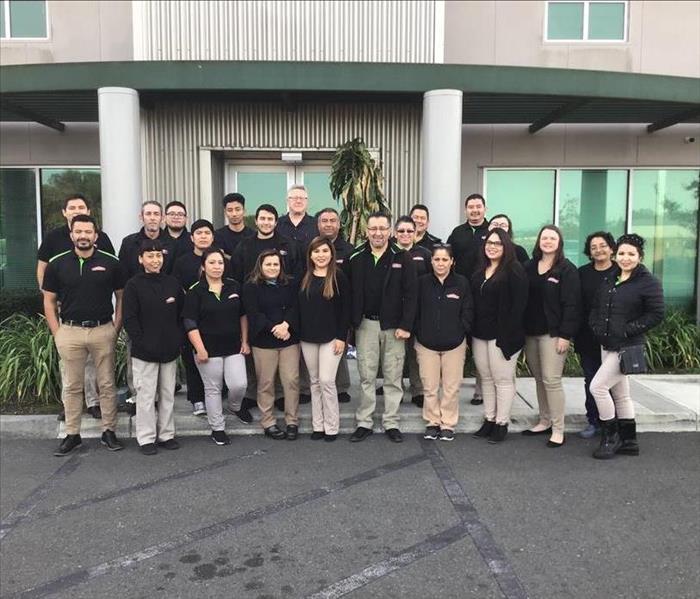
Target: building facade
x=581 y=113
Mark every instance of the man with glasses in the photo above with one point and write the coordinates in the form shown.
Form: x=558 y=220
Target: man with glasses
x=421 y=217
x=384 y=288
x=297 y=224
x=175 y=233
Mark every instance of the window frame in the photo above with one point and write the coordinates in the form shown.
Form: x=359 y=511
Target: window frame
x=8 y=25
x=586 y=15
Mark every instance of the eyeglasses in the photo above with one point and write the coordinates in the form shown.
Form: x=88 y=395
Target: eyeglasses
x=377 y=229
x=494 y=244
x=405 y=230
x=181 y=214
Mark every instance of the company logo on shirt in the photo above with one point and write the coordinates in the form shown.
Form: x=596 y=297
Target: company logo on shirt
x=170 y=300
x=233 y=296
x=98 y=268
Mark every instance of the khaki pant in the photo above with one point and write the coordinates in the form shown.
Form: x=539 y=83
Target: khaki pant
x=375 y=346
x=608 y=381
x=497 y=379
x=323 y=366
x=154 y=382
x=436 y=368
x=303 y=384
x=547 y=367
x=89 y=384
x=267 y=363
x=74 y=345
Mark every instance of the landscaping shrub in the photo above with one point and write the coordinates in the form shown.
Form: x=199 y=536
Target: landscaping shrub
x=20 y=301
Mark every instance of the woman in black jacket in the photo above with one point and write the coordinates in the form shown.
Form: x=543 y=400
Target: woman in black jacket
x=551 y=320
x=152 y=305
x=443 y=321
x=625 y=308
x=324 y=319
x=499 y=289
x=271 y=303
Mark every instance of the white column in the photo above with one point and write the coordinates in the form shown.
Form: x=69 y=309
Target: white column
x=442 y=159
x=120 y=161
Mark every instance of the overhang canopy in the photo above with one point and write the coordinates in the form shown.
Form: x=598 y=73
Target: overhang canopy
x=58 y=93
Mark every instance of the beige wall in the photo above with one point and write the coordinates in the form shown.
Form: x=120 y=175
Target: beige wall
x=31 y=144
x=573 y=146
x=663 y=38
x=84 y=31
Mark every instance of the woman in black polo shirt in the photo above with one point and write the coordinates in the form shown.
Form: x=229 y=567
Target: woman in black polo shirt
x=551 y=320
x=270 y=298
x=218 y=330
x=499 y=288
x=443 y=321
x=324 y=319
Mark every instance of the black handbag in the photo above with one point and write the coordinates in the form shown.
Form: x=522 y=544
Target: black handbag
x=633 y=360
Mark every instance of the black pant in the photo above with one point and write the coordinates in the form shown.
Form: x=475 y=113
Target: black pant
x=590 y=363
x=195 y=387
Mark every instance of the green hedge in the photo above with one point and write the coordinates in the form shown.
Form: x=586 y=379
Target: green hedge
x=20 y=301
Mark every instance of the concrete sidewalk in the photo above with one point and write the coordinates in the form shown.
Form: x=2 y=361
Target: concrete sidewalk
x=663 y=403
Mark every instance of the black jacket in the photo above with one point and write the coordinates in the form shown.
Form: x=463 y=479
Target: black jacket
x=130 y=249
x=444 y=311
x=248 y=250
x=512 y=298
x=591 y=280
x=562 y=299
x=343 y=251
x=152 y=307
x=466 y=243
x=623 y=312
x=428 y=241
x=422 y=259
x=398 y=306
x=268 y=305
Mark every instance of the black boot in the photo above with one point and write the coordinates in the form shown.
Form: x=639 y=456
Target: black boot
x=485 y=430
x=609 y=440
x=498 y=433
x=628 y=436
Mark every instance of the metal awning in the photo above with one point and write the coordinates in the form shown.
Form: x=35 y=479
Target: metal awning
x=53 y=94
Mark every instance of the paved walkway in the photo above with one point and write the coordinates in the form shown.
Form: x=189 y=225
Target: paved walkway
x=663 y=403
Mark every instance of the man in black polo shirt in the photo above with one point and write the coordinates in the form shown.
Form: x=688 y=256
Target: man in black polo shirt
x=420 y=215
x=229 y=236
x=175 y=233
x=384 y=289
x=151 y=216
x=467 y=240
x=297 y=224
x=83 y=281
x=56 y=242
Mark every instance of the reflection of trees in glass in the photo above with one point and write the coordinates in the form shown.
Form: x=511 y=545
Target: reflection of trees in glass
x=56 y=184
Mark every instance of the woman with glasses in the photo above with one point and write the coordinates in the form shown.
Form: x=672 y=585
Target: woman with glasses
x=443 y=321
x=499 y=288
x=324 y=319
x=551 y=320
x=270 y=298
x=502 y=221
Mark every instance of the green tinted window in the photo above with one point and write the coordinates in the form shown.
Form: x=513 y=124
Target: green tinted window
x=606 y=21
x=319 y=193
x=565 y=21
x=18 y=243
x=263 y=188
x=665 y=213
x=527 y=197
x=28 y=18
x=57 y=184
x=590 y=200
x=2 y=19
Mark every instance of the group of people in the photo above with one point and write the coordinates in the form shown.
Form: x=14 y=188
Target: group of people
x=264 y=316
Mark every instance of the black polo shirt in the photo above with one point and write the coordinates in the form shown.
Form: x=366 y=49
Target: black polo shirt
x=84 y=285
x=216 y=317
x=376 y=271
x=186 y=269
x=58 y=241
x=227 y=240
x=302 y=233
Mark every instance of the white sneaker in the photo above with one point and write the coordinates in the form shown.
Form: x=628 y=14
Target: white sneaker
x=198 y=408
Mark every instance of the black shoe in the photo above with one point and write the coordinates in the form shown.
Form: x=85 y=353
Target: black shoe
x=69 y=443
x=244 y=415
x=317 y=435
x=344 y=397
x=628 y=436
x=292 y=432
x=485 y=430
x=248 y=403
x=170 y=444
x=61 y=416
x=178 y=387
x=476 y=401
x=394 y=435
x=531 y=433
x=275 y=433
x=417 y=400
x=360 y=434
x=380 y=390
x=110 y=441
x=148 y=449
x=432 y=433
x=279 y=404
x=446 y=434
x=609 y=440
x=304 y=398
x=498 y=433
x=330 y=438
x=220 y=438
x=554 y=444
x=95 y=412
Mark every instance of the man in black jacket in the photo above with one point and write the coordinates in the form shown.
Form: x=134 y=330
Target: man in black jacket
x=175 y=233
x=152 y=305
x=383 y=279
x=420 y=215
x=151 y=216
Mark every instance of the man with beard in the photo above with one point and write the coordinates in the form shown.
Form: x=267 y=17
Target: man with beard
x=229 y=236
x=175 y=233
x=151 y=216
x=83 y=281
